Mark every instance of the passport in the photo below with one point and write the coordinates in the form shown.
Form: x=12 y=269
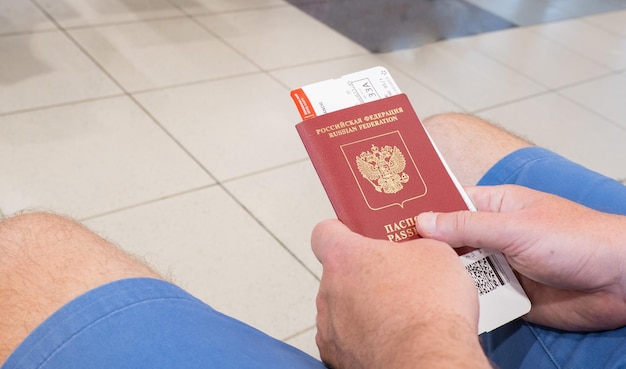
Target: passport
x=380 y=169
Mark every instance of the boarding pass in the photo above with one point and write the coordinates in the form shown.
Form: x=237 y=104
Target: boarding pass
x=349 y=90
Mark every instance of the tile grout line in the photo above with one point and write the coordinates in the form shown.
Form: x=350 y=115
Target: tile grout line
x=300 y=332
x=61 y=104
x=210 y=12
x=265 y=170
x=119 y=23
x=513 y=101
x=30 y=32
x=147 y=202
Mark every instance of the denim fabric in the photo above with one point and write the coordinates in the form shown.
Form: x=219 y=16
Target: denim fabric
x=147 y=323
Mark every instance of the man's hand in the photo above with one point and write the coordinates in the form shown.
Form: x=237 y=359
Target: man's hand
x=386 y=305
x=569 y=257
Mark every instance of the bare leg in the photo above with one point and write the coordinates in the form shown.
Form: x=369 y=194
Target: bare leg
x=46 y=261
x=470 y=145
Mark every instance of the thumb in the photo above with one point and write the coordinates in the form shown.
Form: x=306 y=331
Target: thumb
x=331 y=237
x=463 y=228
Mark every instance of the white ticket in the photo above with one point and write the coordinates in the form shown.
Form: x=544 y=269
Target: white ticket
x=350 y=90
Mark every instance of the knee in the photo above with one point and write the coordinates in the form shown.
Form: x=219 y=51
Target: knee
x=16 y=230
x=448 y=121
x=31 y=220
x=36 y=237
x=44 y=244
x=448 y=117
x=450 y=129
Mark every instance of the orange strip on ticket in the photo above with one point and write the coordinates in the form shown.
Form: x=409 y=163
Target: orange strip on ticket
x=303 y=104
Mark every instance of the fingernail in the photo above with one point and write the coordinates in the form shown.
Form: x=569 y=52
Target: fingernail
x=427 y=222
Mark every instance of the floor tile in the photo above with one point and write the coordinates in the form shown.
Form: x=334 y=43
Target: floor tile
x=407 y=23
x=75 y=13
x=217 y=6
x=466 y=77
x=233 y=126
x=586 y=39
x=280 y=37
x=612 y=22
x=605 y=96
x=160 y=53
x=289 y=201
x=558 y=124
x=534 y=56
x=22 y=16
x=46 y=68
x=425 y=101
x=213 y=249
x=89 y=158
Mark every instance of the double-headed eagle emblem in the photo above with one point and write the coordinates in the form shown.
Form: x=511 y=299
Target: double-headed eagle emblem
x=383 y=168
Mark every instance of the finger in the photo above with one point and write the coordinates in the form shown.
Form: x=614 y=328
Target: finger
x=464 y=228
x=327 y=237
x=502 y=198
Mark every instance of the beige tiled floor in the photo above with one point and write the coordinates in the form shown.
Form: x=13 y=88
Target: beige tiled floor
x=167 y=126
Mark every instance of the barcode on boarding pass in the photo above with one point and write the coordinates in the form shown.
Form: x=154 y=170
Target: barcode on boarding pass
x=487 y=274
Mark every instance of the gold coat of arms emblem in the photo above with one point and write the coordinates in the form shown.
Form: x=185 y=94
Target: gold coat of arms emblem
x=383 y=167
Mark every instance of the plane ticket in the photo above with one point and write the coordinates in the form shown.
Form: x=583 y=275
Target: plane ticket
x=349 y=90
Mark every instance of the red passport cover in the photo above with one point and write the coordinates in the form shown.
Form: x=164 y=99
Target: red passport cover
x=379 y=167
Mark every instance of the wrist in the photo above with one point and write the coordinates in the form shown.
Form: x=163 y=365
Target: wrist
x=444 y=342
